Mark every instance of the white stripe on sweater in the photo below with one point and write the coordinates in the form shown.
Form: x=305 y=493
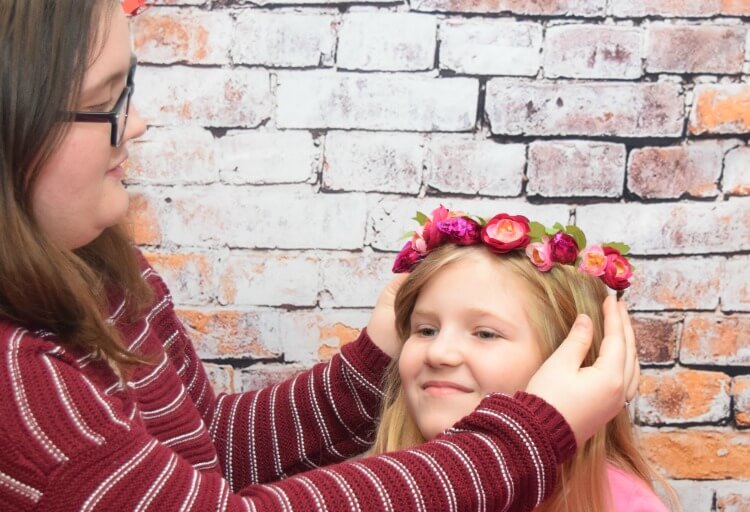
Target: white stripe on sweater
x=120 y=473
x=351 y=496
x=230 y=444
x=319 y=418
x=195 y=484
x=361 y=378
x=385 y=499
x=24 y=408
x=469 y=464
x=69 y=406
x=409 y=479
x=442 y=477
x=157 y=484
x=298 y=430
x=19 y=487
x=332 y=401
x=536 y=459
x=275 y=437
x=320 y=504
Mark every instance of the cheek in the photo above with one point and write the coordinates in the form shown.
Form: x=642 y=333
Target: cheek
x=506 y=371
x=409 y=363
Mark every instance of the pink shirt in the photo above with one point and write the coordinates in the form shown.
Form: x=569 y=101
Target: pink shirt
x=631 y=494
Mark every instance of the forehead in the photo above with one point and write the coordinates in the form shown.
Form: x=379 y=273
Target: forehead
x=477 y=280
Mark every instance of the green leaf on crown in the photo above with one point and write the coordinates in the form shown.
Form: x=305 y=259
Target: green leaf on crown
x=406 y=235
x=618 y=246
x=577 y=235
x=536 y=230
x=421 y=218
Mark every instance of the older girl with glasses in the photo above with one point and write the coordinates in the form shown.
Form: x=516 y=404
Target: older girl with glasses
x=106 y=405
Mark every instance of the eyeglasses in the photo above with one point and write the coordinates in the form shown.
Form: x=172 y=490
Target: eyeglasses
x=118 y=116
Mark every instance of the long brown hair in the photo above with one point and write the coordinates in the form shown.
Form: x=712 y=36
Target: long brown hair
x=45 y=48
x=553 y=301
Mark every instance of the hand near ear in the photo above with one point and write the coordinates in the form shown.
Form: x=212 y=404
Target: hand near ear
x=382 y=325
x=589 y=397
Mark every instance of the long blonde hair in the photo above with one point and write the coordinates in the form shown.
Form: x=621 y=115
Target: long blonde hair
x=555 y=299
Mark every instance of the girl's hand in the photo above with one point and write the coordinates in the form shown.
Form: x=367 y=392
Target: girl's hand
x=382 y=325
x=589 y=397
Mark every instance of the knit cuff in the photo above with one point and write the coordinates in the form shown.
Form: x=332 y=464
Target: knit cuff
x=367 y=358
x=561 y=435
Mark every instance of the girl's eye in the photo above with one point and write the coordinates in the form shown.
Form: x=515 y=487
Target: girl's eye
x=426 y=331
x=487 y=335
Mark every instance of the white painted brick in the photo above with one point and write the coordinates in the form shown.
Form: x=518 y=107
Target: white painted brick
x=269 y=279
x=305 y=333
x=490 y=47
x=222 y=377
x=694 y=495
x=190 y=276
x=166 y=36
x=675 y=283
x=355 y=280
x=259 y=376
x=225 y=98
x=529 y=7
x=222 y=333
x=173 y=156
x=592 y=51
x=391 y=217
x=670 y=228
x=735 y=284
x=666 y=8
x=464 y=165
x=263 y=3
x=576 y=168
x=387 y=41
x=736 y=178
x=376 y=101
x=177 y=2
x=285 y=217
x=627 y=110
x=284 y=39
x=373 y=162
x=268 y=157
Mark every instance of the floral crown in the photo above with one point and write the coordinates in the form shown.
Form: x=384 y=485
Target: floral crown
x=504 y=233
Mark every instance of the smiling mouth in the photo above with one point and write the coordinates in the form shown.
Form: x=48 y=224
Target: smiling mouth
x=443 y=388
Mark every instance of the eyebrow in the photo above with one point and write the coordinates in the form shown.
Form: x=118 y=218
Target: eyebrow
x=507 y=324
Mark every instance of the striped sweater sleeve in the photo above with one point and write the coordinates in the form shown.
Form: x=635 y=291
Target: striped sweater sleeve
x=324 y=415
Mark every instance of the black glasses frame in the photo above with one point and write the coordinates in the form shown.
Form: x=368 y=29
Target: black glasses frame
x=113 y=116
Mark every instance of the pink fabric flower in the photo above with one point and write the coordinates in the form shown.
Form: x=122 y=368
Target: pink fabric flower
x=593 y=261
x=618 y=270
x=504 y=232
x=564 y=248
x=406 y=259
x=428 y=236
x=540 y=254
x=460 y=230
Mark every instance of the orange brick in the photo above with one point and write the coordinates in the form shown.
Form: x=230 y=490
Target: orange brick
x=699 y=454
x=221 y=377
x=741 y=397
x=721 y=109
x=341 y=334
x=656 y=337
x=683 y=396
x=143 y=221
x=714 y=339
x=735 y=8
x=189 y=276
x=228 y=334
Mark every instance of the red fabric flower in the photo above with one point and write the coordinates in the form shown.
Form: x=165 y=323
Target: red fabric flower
x=406 y=259
x=460 y=230
x=564 y=248
x=504 y=232
x=618 y=270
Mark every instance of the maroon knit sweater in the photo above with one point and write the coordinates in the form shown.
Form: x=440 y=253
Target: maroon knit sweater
x=73 y=438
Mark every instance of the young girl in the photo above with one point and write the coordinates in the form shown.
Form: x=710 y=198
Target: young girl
x=483 y=307
x=106 y=405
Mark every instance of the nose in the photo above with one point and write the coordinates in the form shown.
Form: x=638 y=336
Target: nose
x=444 y=350
x=136 y=125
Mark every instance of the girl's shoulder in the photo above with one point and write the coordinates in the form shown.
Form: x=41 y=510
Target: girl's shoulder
x=630 y=493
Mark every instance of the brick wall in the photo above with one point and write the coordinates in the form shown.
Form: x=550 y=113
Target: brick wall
x=290 y=145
